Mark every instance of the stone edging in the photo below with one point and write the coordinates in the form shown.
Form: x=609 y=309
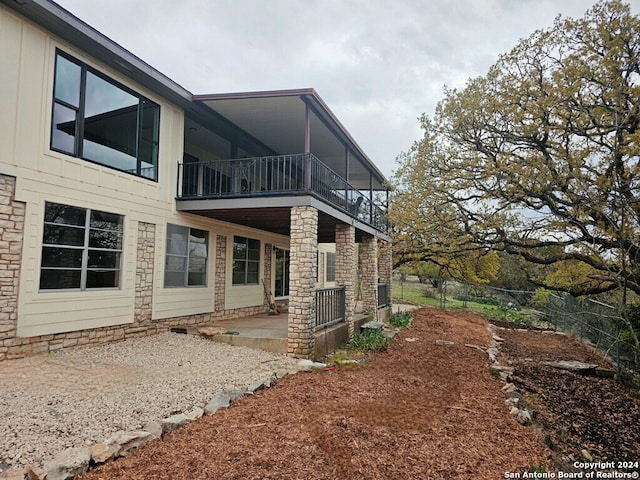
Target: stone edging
x=75 y=460
x=522 y=415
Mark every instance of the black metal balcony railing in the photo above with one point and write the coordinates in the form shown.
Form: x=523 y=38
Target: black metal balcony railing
x=277 y=175
x=330 y=307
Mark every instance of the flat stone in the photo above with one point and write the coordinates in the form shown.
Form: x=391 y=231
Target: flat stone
x=221 y=400
x=174 y=422
x=477 y=347
x=444 y=342
x=68 y=463
x=154 y=428
x=308 y=365
x=522 y=415
x=509 y=387
x=127 y=441
x=101 y=452
x=410 y=339
x=373 y=325
x=195 y=413
x=253 y=387
x=512 y=401
x=574 y=366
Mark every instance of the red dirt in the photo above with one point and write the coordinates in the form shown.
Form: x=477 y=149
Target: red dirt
x=419 y=410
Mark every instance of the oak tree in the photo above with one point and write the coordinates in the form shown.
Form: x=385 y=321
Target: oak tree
x=543 y=151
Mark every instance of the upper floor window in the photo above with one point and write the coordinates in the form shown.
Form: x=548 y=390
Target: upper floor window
x=96 y=119
x=186 y=260
x=246 y=261
x=81 y=248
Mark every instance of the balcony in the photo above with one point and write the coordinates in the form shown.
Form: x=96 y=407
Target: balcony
x=282 y=175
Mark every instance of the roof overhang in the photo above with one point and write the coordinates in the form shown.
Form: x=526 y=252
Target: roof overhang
x=274 y=118
x=278 y=120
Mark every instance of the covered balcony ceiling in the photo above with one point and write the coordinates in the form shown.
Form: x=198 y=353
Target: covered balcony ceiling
x=277 y=119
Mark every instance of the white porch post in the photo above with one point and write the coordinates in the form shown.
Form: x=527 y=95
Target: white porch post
x=303 y=270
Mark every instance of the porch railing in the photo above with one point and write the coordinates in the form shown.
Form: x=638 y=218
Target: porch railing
x=382 y=295
x=276 y=175
x=330 y=307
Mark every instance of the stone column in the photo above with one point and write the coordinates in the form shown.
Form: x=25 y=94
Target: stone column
x=11 y=233
x=302 y=279
x=221 y=272
x=369 y=262
x=385 y=267
x=347 y=269
x=144 y=272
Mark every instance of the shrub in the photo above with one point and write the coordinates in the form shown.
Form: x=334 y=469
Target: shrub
x=370 y=340
x=401 y=319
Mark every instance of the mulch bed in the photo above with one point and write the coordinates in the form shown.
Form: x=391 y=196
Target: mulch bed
x=419 y=410
x=576 y=413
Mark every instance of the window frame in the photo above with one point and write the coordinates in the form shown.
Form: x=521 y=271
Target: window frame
x=330 y=267
x=80 y=120
x=86 y=249
x=187 y=258
x=246 y=260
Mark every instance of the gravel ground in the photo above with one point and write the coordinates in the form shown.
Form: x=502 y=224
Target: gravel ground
x=81 y=396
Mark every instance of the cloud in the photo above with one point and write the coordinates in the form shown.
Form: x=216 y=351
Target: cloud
x=378 y=64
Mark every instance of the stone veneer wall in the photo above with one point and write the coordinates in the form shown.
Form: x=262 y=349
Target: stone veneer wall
x=11 y=346
x=346 y=269
x=302 y=280
x=221 y=272
x=11 y=230
x=370 y=274
x=144 y=272
x=385 y=267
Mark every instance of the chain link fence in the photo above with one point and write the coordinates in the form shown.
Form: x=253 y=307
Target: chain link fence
x=593 y=322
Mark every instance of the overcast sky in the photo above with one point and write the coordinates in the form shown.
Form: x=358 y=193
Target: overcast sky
x=378 y=64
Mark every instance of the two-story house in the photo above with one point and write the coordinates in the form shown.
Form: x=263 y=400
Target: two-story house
x=129 y=205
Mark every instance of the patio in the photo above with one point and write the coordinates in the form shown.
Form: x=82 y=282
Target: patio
x=269 y=332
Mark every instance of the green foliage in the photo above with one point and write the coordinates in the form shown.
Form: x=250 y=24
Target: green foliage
x=401 y=319
x=541 y=296
x=370 y=340
x=482 y=300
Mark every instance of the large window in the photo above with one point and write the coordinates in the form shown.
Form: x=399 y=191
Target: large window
x=186 y=260
x=96 y=119
x=81 y=248
x=246 y=261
